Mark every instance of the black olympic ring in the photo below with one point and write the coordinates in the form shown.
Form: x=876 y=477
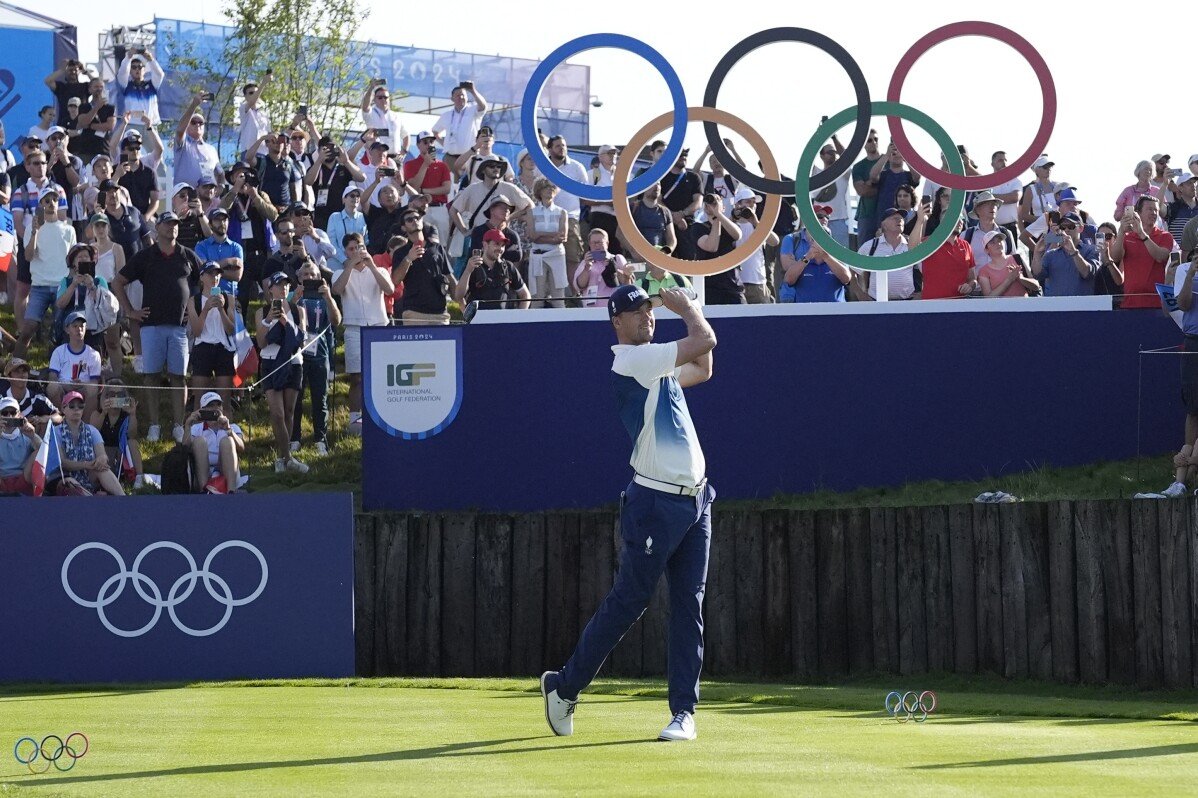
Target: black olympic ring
x=63 y=748
x=802 y=36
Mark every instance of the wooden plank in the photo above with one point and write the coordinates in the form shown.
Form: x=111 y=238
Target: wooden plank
x=457 y=594
x=1091 y=593
x=1062 y=591
x=964 y=589
x=527 y=655
x=391 y=597
x=625 y=659
x=912 y=625
x=424 y=596
x=656 y=623
x=1012 y=518
x=493 y=595
x=989 y=587
x=833 y=603
x=561 y=585
x=938 y=587
x=860 y=602
x=1146 y=585
x=750 y=581
x=1117 y=581
x=776 y=629
x=719 y=603
x=1192 y=541
x=883 y=588
x=804 y=619
x=1037 y=600
x=364 y=592
x=1174 y=521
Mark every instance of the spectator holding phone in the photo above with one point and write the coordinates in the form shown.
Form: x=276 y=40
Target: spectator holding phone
x=1064 y=262
x=47 y=243
x=460 y=124
x=281 y=332
x=1142 y=250
x=218 y=248
x=600 y=272
x=194 y=156
x=424 y=174
x=717 y=235
x=492 y=279
x=321 y=318
x=83 y=290
x=253 y=121
x=1143 y=186
x=327 y=178
x=193 y=222
x=379 y=117
x=361 y=285
x=217 y=446
x=84 y=461
x=211 y=324
x=19 y=442
x=117 y=420
x=137 y=173
x=281 y=176
x=138 y=79
x=348 y=220
x=250 y=214
x=422 y=267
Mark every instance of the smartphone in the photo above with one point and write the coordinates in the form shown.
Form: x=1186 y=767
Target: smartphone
x=215 y=291
x=382 y=81
x=387 y=171
x=209 y=414
x=87 y=268
x=121 y=402
x=276 y=306
x=313 y=286
x=13 y=423
x=1175 y=259
x=382 y=131
x=303 y=110
x=476 y=253
x=207 y=96
x=1053 y=239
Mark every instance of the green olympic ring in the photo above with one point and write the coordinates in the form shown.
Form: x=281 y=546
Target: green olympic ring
x=880 y=263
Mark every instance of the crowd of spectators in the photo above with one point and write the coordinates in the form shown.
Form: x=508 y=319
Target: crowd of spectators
x=308 y=236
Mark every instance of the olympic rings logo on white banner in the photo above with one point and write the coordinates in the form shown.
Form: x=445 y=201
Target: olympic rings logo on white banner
x=112 y=588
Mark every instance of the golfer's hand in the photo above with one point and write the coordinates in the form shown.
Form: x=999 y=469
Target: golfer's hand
x=676 y=299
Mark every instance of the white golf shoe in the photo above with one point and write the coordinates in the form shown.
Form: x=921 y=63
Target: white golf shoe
x=559 y=713
x=682 y=727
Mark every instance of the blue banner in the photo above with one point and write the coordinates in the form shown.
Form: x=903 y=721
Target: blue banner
x=162 y=589
x=796 y=404
x=22 y=92
x=412 y=379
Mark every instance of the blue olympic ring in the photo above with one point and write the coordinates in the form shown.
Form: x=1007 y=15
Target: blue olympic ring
x=532 y=93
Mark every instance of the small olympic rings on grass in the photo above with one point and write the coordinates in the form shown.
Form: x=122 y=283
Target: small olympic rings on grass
x=52 y=750
x=910 y=705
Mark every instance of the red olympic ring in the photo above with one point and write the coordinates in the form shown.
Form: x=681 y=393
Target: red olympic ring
x=1047 y=118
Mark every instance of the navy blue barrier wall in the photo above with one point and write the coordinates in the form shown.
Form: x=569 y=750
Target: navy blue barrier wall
x=797 y=403
x=254 y=586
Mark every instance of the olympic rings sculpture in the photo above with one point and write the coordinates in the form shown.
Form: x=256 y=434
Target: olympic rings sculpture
x=114 y=586
x=910 y=705
x=771 y=185
x=63 y=752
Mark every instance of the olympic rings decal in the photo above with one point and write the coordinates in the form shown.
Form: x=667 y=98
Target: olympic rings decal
x=910 y=705
x=63 y=752
x=107 y=594
x=771 y=185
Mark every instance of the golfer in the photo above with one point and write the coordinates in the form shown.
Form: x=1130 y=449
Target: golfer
x=665 y=513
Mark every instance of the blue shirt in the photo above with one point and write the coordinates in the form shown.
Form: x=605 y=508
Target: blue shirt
x=817 y=283
x=211 y=250
x=651 y=406
x=316 y=312
x=1061 y=277
x=1189 y=318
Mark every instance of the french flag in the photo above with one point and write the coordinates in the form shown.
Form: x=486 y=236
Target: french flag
x=245 y=356
x=128 y=470
x=47 y=460
x=8 y=238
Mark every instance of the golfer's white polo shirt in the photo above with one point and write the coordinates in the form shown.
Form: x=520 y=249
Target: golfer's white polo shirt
x=651 y=405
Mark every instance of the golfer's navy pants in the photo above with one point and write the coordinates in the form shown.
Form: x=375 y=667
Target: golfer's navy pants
x=661 y=533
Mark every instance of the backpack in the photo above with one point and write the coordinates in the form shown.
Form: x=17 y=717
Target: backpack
x=176 y=470
x=107 y=309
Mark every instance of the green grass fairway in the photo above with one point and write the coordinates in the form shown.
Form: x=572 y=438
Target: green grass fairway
x=488 y=737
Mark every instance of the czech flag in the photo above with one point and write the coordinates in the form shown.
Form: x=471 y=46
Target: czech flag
x=128 y=470
x=245 y=356
x=8 y=238
x=47 y=460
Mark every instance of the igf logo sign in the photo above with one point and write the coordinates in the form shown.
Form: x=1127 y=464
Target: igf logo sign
x=405 y=375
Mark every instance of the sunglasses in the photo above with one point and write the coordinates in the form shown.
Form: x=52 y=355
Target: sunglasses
x=75 y=406
x=1068 y=227
x=37 y=163
x=197 y=122
x=297 y=138
x=285 y=232
x=8 y=413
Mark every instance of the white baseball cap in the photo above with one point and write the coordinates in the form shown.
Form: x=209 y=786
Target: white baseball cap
x=181 y=187
x=744 y=193
x=209 y=398
x=993 y=234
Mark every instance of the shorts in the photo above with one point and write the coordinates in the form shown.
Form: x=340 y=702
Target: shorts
x=23 y=273
x=164 y=345
x=16 y=484
x=41 y=297
x=1189 y=376
x=353 y=349
x=281 y=376
x=547 y=272
x=211 y=360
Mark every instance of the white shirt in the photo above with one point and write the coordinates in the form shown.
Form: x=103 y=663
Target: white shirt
x=362 y=302
x=839 y=203
x=378 y=118
x=254 y=123
x=213 y=437
x=752 y=270
x=1008 y=212
x=83 y=366
x=665 y=446
x=54 y=241
x=900 y=282
x=460 y=128
x=567 y=201
x=604 y=179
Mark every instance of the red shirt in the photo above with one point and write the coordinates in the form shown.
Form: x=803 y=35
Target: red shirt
x=1140 y=272
x=946 y=269
x=383 y=261
x=434 y=177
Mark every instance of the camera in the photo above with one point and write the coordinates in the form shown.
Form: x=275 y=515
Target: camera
x=387 y=171
x=251 y=179
x=312 y=286
x=87 y=267
x=303 y=110
x=711 y=199
x=743 y=214
x=15 y=422
x=209 y=414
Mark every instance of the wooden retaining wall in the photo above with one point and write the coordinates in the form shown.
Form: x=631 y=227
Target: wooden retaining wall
x=1086 y=591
